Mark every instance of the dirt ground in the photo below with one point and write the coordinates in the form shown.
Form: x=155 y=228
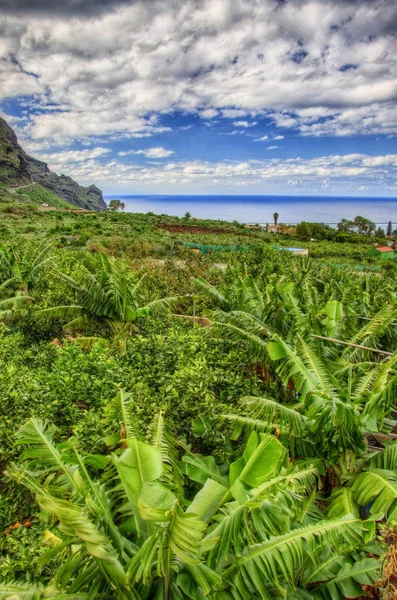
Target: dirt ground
x=194 y=229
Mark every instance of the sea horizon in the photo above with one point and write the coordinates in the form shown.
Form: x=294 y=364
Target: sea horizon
x=252 y=208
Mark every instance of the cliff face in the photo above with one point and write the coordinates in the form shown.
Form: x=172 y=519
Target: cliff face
x=18 y=169
x=66 y=188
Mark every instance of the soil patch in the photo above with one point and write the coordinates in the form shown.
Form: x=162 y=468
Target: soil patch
x=196 y=229
x=202 y=321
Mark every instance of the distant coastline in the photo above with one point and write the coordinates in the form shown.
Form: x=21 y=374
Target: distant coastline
x=260 y=209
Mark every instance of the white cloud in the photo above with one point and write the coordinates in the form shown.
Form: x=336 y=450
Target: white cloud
x=272 y=147
x=57 y=160
x=264 y=138
x=158 y=152
x=234 y=113
x=235 y=132
x=209 y=113
x=381 y=161
x=323 y=68
x=341 y=172
x=244 y=124
x=278 y=137
x=133 y=135
x=365 y=120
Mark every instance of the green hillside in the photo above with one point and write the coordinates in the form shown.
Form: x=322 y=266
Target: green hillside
x=37 y=194
x=18 y=169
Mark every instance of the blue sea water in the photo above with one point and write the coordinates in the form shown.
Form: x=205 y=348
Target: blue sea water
x=260 y=209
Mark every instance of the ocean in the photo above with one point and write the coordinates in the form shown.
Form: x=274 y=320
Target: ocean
x=260 y=209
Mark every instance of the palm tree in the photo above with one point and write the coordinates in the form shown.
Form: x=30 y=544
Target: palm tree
x=126 y=530
x=275 y=217
x=107 y=298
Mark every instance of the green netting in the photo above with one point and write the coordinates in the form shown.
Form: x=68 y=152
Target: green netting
x=204 y=247
x=352 y=267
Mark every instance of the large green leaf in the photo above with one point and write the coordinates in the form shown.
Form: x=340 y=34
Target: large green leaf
x=211 y=291
x=161 y=438
x=378 y=487
x=333 y=315
x=21 y=591
x=200 y=469
x=259 y=462
x=179 y=537
x=342 y=503
x=276 y=560
x=291 y=366
x=198 y=581
x=186 y=532
x=348 y=580
x=155 y=501
x=209 y=499
x=44 y=455
x=138 y=464
x=384 y=459
x=121 y=410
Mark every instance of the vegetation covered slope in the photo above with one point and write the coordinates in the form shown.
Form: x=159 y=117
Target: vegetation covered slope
x=19 y=169
x=144 y=456
x=85 y=197
x=37 y=194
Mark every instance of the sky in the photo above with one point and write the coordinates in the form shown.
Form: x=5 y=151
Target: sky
x=294 y=97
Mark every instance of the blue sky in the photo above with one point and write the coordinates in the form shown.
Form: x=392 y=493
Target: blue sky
x=206 y=96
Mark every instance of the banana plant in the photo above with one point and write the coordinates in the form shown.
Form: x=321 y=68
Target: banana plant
x=124 y=534
x=250 y=311
x=121 y=526
x=109 y=298
x=20 y=270
x=343 y=390
x=369 y=478
x=333 y=412
x=22 y=265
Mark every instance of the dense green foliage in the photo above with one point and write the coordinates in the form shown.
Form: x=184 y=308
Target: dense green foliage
x=360 y=225
x=145 y=456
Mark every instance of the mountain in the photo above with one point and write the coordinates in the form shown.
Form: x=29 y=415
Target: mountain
x=66 y=188
x=18 y=169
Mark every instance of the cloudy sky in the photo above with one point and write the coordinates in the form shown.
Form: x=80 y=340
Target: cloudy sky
x=206 y=96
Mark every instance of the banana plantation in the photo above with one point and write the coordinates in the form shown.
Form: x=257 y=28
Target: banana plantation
x=173 y=430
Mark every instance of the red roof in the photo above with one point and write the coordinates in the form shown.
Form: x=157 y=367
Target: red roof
x=384 y=249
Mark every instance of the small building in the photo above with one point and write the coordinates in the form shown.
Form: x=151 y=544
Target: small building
x=294 y=250
x=297 y=251
x=273 y=228
x=382 y=252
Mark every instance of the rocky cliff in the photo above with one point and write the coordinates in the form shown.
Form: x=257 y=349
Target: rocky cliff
x=18 y=169
x=66 y=188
